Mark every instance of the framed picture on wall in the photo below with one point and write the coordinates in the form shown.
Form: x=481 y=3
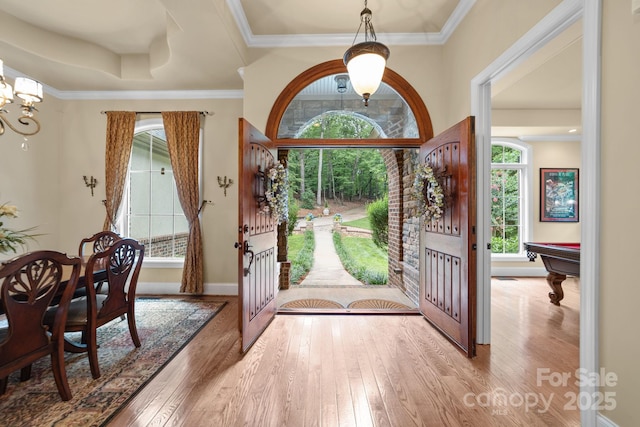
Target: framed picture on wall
x=559 y=195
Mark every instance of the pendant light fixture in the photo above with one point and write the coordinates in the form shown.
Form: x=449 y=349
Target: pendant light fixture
x=366 y=61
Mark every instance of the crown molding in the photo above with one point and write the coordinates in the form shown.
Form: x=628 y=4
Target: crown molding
x=551 y=138
x=315 y=40
x=146 y=94
x=131 y=94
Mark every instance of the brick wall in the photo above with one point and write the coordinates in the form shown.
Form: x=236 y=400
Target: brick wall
x=404 y=226
x=410 y=229
x=162 y=246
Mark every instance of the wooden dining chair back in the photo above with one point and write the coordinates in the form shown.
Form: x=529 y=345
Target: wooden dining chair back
x=120 y=265
x=99 y=242
x=28 y=285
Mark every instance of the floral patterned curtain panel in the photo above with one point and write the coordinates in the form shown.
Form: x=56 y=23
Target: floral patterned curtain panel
x=120 y=128
x=182 y=129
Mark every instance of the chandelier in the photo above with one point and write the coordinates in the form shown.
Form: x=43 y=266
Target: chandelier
x=366 y=61
x=30 y=92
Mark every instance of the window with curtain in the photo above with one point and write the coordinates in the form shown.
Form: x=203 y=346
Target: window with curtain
x=151 y=211
x=510 y=197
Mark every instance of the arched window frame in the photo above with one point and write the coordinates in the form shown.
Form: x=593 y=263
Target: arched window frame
x=526 y=193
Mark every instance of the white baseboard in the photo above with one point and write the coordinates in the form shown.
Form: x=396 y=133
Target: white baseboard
x=519 y=271
x=154 y=288
x=603 y=421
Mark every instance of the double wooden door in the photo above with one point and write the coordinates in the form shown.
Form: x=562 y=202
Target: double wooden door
x=447 y=245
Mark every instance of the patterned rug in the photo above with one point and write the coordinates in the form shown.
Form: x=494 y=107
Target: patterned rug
x=165 y=326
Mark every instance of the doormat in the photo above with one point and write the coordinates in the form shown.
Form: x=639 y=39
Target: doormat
x=311 y=303
x=379 y=304
x=165 y=326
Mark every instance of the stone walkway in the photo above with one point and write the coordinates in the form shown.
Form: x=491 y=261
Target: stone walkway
x=328 y=279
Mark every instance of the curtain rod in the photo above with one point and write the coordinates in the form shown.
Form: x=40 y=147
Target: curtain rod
x=204 y=113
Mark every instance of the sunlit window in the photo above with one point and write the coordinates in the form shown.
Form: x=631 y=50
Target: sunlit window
x=509 y=197
x=151 y=209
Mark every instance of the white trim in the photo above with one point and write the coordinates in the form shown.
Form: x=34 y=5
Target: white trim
x=518 y=272
x=605 y=422
x=144 y=94
x=590 y=200
x=173 y=288
x=302 y=40
x=564 y=15
x=551 y=138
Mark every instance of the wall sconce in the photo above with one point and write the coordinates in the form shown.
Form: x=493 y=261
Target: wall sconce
x=90 y=183
x=225 y=184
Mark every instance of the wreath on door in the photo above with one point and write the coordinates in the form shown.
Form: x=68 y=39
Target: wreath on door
x=428 y=193
x=276 y=193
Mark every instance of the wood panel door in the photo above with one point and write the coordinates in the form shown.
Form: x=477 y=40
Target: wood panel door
x=257 y=237
x=448 y=244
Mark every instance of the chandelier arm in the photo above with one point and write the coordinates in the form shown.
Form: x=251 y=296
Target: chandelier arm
x=23 y=120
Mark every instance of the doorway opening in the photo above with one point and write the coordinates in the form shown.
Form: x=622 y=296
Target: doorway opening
x=394 y=125
x=338 y=235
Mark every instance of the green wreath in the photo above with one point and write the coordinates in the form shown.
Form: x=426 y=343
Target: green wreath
x=428 y=193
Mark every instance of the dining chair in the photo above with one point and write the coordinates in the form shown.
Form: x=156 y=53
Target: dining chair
x=99 y=242
x=28 y=284
x=122 y=262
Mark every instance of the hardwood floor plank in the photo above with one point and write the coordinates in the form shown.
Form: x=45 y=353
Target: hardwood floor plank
x=345 y=407
x=347 y=370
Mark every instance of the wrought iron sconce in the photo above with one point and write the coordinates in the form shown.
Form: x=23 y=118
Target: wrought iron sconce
x=91 y=183
x=203 y=204
x=225 y=184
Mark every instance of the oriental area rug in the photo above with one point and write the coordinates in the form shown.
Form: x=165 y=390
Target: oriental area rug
x=165 y=326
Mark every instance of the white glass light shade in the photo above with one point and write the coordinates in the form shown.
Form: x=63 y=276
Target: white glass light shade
x=6 y=94
x=1 y=69
x=29 y=90
x=366 y=63
x=365 y=72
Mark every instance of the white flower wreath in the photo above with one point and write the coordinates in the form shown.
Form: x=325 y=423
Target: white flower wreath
x=428 y=193
x=276 y=193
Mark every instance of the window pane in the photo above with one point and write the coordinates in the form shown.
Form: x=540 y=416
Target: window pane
x=389 y=112
x=154 y=215
x=181 y=235
x=177 y=207
x=140 y=154
x=160 y=155
x=504 y=154
x=505 y=211
x=139 y=228
x=162 y=235
x=139 y=187
x=162 y=193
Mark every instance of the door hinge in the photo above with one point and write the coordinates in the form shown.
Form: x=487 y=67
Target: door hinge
x=488 y=246
x=474 y=247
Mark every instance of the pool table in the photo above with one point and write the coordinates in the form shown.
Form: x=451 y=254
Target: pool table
x=560 y=260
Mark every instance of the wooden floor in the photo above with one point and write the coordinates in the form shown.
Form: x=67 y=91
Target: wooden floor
x=350 y=370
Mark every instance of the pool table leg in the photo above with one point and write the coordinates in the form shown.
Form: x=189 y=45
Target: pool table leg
x=555 y=282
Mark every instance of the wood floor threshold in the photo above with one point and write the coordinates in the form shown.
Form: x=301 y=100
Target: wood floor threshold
x=358 y=311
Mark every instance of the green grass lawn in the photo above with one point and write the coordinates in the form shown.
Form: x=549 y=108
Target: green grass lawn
x=362 y=259
x=300 y=254
x=359 y=223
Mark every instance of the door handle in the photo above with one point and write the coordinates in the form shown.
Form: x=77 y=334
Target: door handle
x=247 y=250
